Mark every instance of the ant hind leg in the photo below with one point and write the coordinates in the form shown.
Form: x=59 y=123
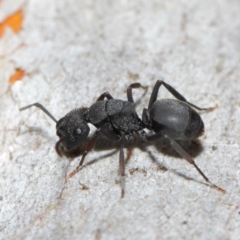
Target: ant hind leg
x=188 y=158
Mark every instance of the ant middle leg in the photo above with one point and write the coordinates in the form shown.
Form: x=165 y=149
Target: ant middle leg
x=174 y=92
x=122 y=170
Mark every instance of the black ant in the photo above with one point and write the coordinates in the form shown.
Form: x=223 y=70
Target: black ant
x=118 y=121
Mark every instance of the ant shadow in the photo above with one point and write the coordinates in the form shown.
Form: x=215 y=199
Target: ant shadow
x=194 y=148
x=163 y=146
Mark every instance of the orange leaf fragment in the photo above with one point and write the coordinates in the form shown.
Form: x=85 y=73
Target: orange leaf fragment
x=17 y=76
x=14 y=21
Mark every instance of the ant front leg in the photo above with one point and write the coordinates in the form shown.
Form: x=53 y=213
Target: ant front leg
x=174 y=92
x=129 y=90
x=90 y=146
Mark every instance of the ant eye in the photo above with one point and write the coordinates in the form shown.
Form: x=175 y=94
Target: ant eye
x=78 y=131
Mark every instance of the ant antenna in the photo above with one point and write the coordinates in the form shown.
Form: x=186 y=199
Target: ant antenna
x=42 y=108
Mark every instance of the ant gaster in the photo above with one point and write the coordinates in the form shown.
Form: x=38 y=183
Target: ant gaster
x=118 y=120
x=174 y=120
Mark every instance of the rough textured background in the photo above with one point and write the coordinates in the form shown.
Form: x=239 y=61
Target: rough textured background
x=71 y=52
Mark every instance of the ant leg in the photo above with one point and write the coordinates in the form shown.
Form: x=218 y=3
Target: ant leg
x=155 y=136
x=88 y=149
x=129 y=90
x=188 y=158
x=104 y=95
x=184 y=155
x=41 y=107
x=121 y=170
x=174 y=92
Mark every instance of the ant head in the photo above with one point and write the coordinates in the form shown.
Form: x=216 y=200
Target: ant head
x=72 y=130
